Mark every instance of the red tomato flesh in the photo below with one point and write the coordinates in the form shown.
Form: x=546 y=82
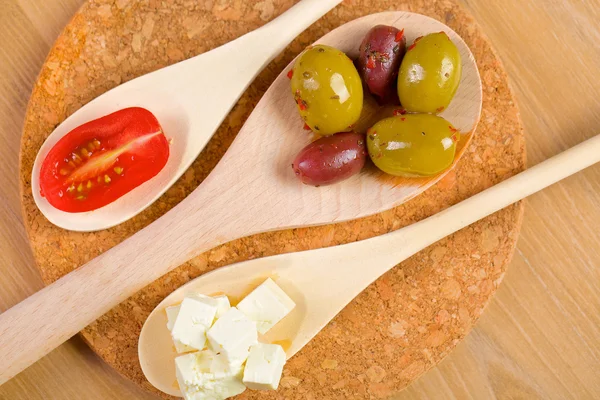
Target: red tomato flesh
x=101 y=160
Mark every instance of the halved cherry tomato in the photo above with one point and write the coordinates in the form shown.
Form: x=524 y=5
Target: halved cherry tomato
x=101 y=160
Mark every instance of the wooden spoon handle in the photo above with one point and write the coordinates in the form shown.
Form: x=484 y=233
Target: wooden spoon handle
x=330 y=278
x=277 y=34
x=507 y=192
x=46 y=319
x=34 y=327
x=397 y=246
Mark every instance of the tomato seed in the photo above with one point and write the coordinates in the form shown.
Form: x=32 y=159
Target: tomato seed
x=80 y=187
x=106 y=179
x=118 y=170
x=85 y=153
x=89 y=185
x=64 y=171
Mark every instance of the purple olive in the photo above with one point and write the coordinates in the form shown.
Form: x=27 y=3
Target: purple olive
x=331 y=159
x=381 y=53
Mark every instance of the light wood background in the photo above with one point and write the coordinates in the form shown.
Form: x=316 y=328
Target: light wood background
x=540 y=336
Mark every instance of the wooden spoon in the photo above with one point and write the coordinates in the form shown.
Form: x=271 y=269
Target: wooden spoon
x=253 y=189
x=190 y=99
x=324 y=281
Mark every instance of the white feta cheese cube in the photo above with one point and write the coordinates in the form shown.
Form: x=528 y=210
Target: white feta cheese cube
x=222 y=305
x=266 y=305
x=264 y=366
x=204 y=375
x=232 y=335
x=172 y=312
x=196 y=315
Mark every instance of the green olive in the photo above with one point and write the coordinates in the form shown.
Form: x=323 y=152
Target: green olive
x=327 y=89
x=429 y=74
x=412 y=144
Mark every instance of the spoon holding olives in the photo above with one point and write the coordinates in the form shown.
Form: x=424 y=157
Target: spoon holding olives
x=251 y=190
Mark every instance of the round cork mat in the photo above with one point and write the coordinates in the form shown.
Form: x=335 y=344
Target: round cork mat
x=398 y=328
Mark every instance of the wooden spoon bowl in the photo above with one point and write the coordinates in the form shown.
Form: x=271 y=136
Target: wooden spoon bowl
x=261 y=154
x=273 y=134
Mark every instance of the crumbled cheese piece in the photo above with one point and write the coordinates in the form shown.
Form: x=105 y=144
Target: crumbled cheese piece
x=172 y=313
x=266 y=305
x=204 y=375
x=264 y=367
x=196 y=315
x=232 y=335
x=222 y=305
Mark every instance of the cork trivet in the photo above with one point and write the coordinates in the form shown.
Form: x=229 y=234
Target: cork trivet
x=395 y=330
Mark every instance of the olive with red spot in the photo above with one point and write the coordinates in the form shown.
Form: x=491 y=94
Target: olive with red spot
x=429 y=74
x=412 y=144
x=380 y=55
x=327 y=90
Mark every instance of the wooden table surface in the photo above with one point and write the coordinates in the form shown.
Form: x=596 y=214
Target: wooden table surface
x=539 y=337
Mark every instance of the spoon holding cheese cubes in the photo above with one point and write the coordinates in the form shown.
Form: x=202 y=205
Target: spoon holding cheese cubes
x=319 y=282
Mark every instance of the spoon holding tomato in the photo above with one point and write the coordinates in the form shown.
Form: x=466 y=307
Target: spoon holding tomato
x=189 y=99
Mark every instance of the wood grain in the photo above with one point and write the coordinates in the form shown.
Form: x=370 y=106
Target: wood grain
x=434 y=297
x=538 y=338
